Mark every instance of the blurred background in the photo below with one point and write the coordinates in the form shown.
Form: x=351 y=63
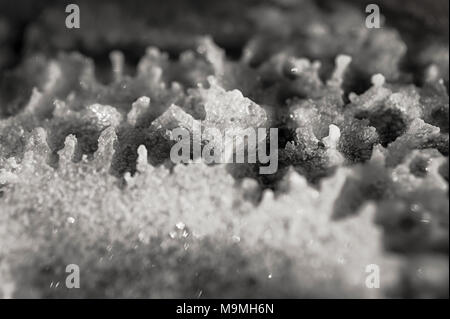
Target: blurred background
x=227 y=21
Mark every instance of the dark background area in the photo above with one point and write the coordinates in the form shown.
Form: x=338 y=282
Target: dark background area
x=417 y=20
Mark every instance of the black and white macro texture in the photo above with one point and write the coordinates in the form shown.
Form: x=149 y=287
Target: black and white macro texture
x=86 y=179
